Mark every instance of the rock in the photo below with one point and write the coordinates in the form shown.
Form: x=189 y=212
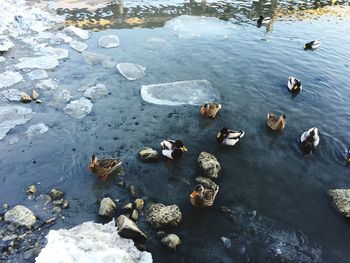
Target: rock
x=58 y=202
x=78 y=108
x=38 y=101
x=43 y=62
x=159 y=215
x=161 y=234
x=65 y=204
x=96 y=92
x=134 y=215
x=78 y=46
x=32 y=253
x=35 y=130
x=131 y=71
x=56 y=194
x=132 y=191
x=128 y=229
x=9 y=78
x=171 y=241
x=57 y=209
x=5 y=43
x=25 y=98
x=35 y=95
x=107 y=207
x=341 y=198
x=38 y=74
x=148 y=154
x=128 y=206
x=209 y=165
x=20 y=215
x=206 y=182
x=139 y=203
x=108 y=41
x=31 y=189
x=83 y=34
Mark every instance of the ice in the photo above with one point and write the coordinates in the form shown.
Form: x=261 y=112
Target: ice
x=38 y=74
x=2 y=59
x=43 y=62
x=58 y=53
x=11 y=116
x=14 y=140
x=156 y=43
x=96 y=92
x=78 y=108
x=96 y=58
x=5 y=43
x=193 y=92
x=91 y=243
x=48 y=84
x=9 y=78
x=188 y=27
x=36 y=130
x=12 y=94
x=78 y=46
x=131 y=71
x=64 y=37
x=83 y=34
x=60 y=97
x=108 y=41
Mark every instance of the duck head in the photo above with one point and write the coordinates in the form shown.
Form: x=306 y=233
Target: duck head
x=180 y=145
x=198 y=191
x=313 y=132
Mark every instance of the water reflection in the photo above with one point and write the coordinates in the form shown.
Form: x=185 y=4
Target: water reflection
x=102 y=14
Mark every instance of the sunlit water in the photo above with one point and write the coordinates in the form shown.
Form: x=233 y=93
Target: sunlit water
x=266 y=173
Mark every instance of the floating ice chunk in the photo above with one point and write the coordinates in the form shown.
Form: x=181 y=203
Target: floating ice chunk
x=64 y=37
x=14 y=140
x=38 y=74
x=91 y=243
x=60 y=97
x=83 y=34
x=108 y=41
x=43 y=62
x=188 y=27
x=2 y=59
x=96 y=92
x=78 y=108
x=48 y=84
x=11 y=116
x=36 y=130
x=12 y=94
x=58 y=53
x=78 y=46
x=193 y=92
x=96 y=58
x=156 y=43
x=131 y=71
x=5 y=43
x=9 y=78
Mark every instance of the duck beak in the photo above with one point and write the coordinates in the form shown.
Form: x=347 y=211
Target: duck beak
x=184 y=149
x=219 y=134
x=194 y=193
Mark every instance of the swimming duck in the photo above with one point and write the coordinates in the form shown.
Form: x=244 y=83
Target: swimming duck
x=203 y=197
x=210 y=109
x=229 y=137
x=173 y=149
x=103 y=167
x=276 y=123
x=309 y=140
x=312 y=45
x=294 y=84
x=262 y=20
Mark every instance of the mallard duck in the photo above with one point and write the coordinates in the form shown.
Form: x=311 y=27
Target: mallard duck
x=203 y=197
x=103 y=167
x=309 y=140
x=262 y=20
x=312 y=45
x=276 y=123
x=210 y=109
x=294 y=84
x=173 y=149
x=229 y=137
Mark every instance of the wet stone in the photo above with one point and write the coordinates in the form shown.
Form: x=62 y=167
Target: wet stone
x=134 y=215
x=209 y=165
x=139 y=203
x=128 y=229
x=25 y=98
x=172 y=241
x=160 y=215
x=148 y=154
x=20 y=215
x=128 y=206
x=56 y=194
x=107 y=207
x=32 y=189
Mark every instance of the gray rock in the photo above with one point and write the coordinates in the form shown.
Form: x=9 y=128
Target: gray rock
x=159 y=215
x=341 y=198
x=148 y=154
x=171 y=241
x=139 y=203
x=128 y=229
x=134 y=215
x=31 y=253
x=206 y=182
x=128 y=206
x=56 y=194
x=107 y=207
x=161 y=234
x=209 y=165
x=20 y=215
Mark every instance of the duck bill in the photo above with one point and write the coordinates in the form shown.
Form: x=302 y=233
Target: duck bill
x=194 y=193
x=183 y=148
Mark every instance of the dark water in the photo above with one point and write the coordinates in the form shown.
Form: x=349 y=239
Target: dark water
x=277 y=196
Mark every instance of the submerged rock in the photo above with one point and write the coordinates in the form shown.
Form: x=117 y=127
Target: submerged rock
x=78 y=46
x=131 y=71
x=11 y=116
x=78 y=108
x=171 y=241
x=5 y=44
x=36 y=130
x=128 y=229
x=107 y=207
x=43 y=62
x=20 y=215
x=159 y=215
x=148 y=154
x=209 y=165
x=192 y=92
x=91 y=243
x=206 y=182
x=56 y=194
x=9 y=78
x=38 y=74
x=341 y=198
x=96 y=92
x=108 y=41
x=83 y=34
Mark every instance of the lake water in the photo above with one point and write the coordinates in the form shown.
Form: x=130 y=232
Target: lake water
x=277 y=195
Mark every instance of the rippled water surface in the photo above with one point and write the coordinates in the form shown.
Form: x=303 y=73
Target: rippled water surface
x=276 y=196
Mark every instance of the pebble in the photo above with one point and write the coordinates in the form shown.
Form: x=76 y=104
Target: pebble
x=128 y=206
x=57 y=209
x=31 y=190
x=58 y=202
x=35 y=95
x=25 y=98
x=135 y=215
x=65 y=204
x=56 y=194
x=139 y=203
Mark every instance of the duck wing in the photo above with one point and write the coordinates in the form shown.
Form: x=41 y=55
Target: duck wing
x=234 y=135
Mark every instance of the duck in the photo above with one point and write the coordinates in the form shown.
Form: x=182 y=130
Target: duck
x=203 y=197
x=173 y=149
x=229 y=137
x=309 y=140
x=103 y=167
x=210 y=110
x=262 y=20
x=276 y=123
x=312 y=45
x=347 y=157
x=294 y=84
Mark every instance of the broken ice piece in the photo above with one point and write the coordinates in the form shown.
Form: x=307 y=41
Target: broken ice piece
x=96 y=92
x=36 y=130
x=43 y=62
x=78 y=108
x=131 y=71
x=9 y=78
x=108 y=41
x=78 y=46
x=37 y=74
x=83 y=34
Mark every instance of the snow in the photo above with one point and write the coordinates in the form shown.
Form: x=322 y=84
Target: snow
x=9 y=78
x=96 y=92
x=37 y=74
x=78 y=46
x=108 y=41
x=90 y=243
x=36 y=130
x=78 y=108
x=131 y=71
x=43 y=62
x=83 y=34
x=5 y=43
x=193 y=92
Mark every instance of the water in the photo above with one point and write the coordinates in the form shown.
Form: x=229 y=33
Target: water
x=276 y=195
